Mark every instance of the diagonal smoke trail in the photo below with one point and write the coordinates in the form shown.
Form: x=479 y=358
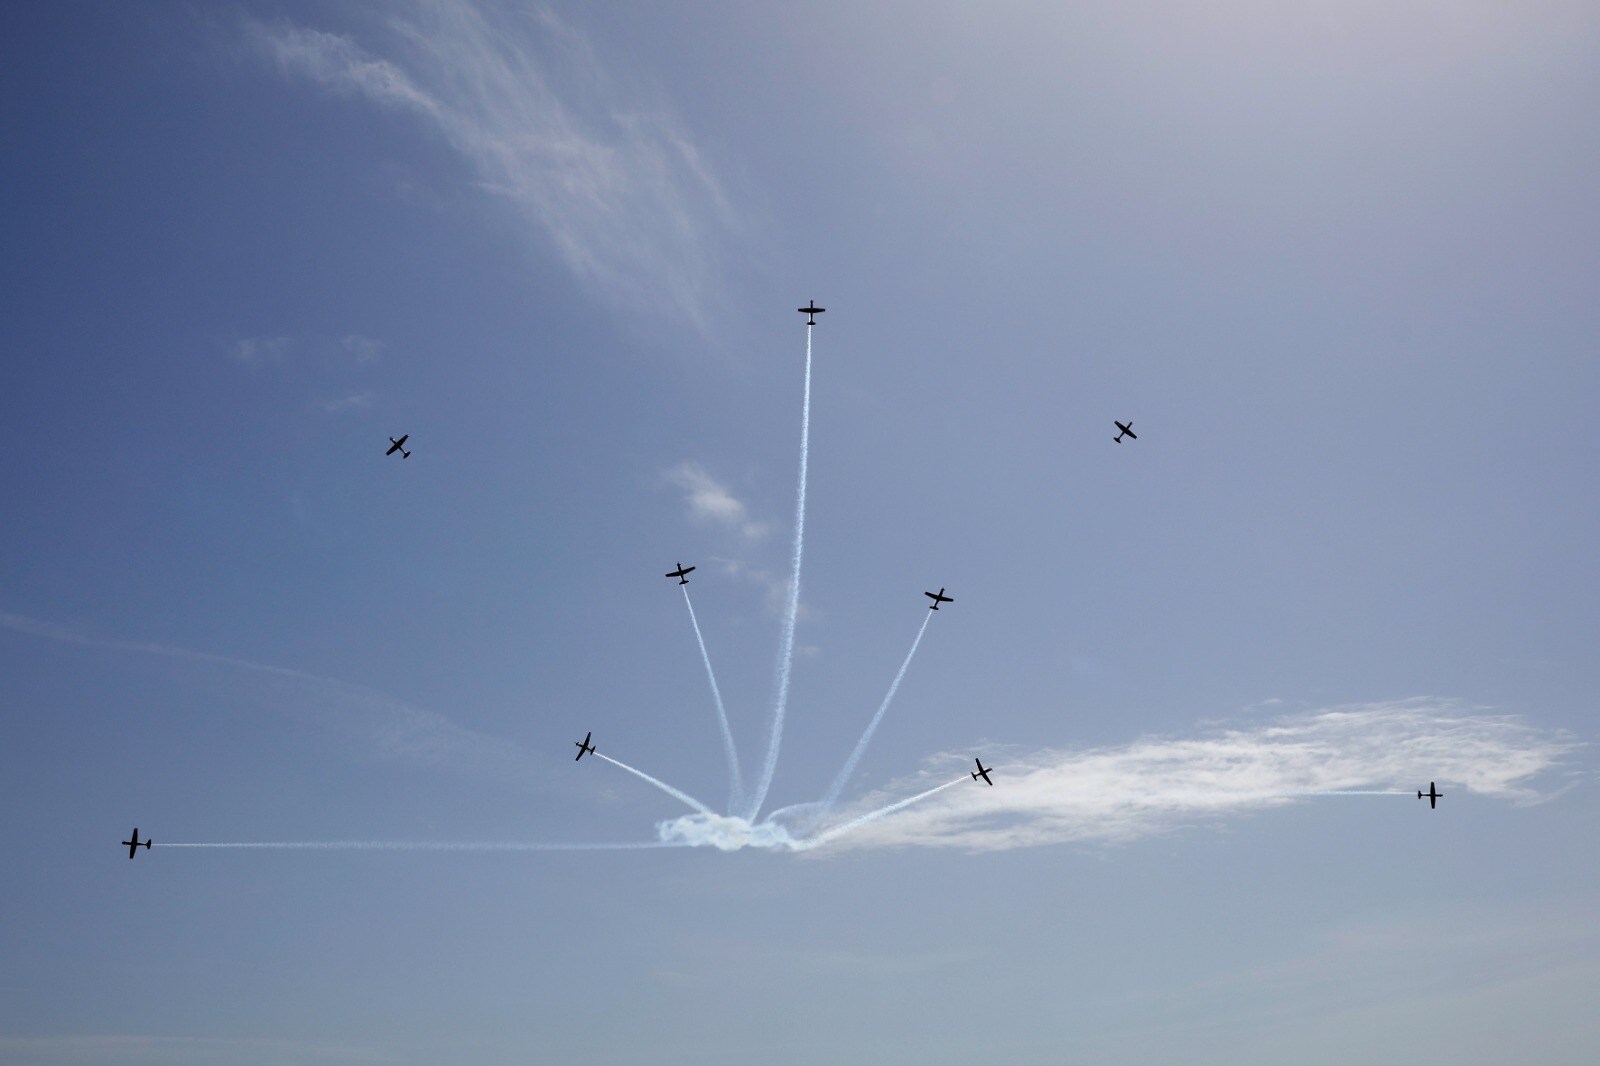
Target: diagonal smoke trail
x=882 y=812
x=421 y=845
x=837 y=787
x=792 y=609
x=662 y=785
x=735 y=784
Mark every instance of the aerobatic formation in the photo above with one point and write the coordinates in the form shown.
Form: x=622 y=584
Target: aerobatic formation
x=797 y=827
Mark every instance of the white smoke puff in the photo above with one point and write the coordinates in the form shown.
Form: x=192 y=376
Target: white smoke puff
x=725 y=833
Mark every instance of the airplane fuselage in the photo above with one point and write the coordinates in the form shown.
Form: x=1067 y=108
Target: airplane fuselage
x=135 y=844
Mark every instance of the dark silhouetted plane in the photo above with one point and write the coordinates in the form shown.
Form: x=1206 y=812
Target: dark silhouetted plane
x=938 y=598
x=584 y=747
x=981 y=772
x=135 y=844
x=681 y=573
x=1126 y=429
x=1433 y=795
x=397 y=446
x=811 y=312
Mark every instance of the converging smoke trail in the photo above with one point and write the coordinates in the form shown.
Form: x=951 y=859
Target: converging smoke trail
x=882 y=812
x=422 y=845
x=662 y=785
x=832 y=795
x=735 y=784
x=792 y=609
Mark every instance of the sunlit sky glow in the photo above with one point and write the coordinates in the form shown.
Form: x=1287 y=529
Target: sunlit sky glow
x=1336 y=262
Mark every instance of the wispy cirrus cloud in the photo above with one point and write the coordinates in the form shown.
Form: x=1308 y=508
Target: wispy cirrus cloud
x=362 y=349
x=381 y=724
x=1156 y=784
x=612 y=181
x=711 y=502
x=355 y=401
x=256 y=351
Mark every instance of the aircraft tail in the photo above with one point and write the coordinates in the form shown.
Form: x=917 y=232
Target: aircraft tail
x=405 y=453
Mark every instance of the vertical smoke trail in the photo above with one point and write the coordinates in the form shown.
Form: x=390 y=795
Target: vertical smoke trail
x=735 y=784
x=882 y=812
x=423 y=845
x=837 y=787
x=792 y=609
x=662 y=785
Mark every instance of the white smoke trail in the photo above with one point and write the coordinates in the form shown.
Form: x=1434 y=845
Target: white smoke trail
x=832 y=795
x=735 y=784
x=662 y=785
x=420 y=845
x=882 y=812
x=792 y=609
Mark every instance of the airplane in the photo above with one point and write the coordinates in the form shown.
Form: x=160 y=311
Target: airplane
x=1433 y=795
x=680 y=573
x=981 y=772
x=938 y=598
x=1127 y=429
x=584 y=747
x=136 y=843
x=397 y=446
x=813 y=311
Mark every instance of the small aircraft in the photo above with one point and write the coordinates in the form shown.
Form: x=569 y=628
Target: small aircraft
x=1433 y=795
x=1126 y=429
x=680 y=573
x=584 y=747
x=812 y=312
x=398 y=446
x=135 y=844
x=938 y=598
x=982 y=772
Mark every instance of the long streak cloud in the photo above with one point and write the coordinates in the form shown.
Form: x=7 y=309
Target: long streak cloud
x=1122 y=793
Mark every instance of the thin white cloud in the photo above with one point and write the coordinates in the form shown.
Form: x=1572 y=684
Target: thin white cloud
x=385 y=726
x=356 y=401
x=616 y=185
x=774 y=587
x=710 y=501
x=364 y=349
x=1156 y=784
x=254 y=351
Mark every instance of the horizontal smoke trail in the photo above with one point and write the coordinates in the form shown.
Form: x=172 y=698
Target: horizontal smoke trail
x=832 y=795
x=822 y=838
x=735 y=784
x=662 y=785
x=418 y=845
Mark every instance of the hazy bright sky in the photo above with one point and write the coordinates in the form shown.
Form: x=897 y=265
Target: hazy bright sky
x=1338 y=262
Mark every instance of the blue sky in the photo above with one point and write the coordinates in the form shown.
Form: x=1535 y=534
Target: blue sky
x=1337 y=264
